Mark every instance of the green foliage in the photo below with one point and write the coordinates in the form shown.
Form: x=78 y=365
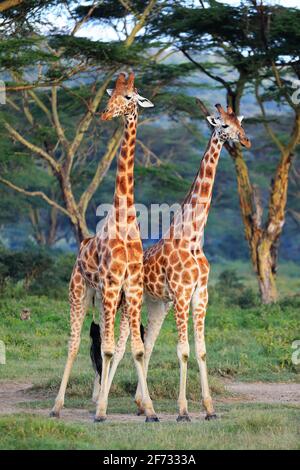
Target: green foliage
x=18 y=53
x=233 y=291
x=106 y=53
x=112 y=9
x=35 y=271
x=26 y=265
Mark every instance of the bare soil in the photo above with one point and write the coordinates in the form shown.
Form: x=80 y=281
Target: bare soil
x=266 y=392
x=13 y=393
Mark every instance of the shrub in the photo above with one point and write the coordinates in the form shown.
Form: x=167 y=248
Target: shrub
x=232 y=290
x=35 y=271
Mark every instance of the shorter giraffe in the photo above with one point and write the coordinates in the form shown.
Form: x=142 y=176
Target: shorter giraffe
x=110 y=265
x=176 y=269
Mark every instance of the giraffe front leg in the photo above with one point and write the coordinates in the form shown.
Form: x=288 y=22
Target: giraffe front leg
x=181 y=308
x=156 y=310
x=78 y=300
x=199 y=303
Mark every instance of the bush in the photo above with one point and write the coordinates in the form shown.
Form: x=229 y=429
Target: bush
x=35 y=271
x=23 y=266
x=232 y=290
x=54 y=281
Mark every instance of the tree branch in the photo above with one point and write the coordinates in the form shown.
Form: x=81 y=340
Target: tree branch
x=265 y=122
x=85 y=123
x=56 y=121
x=210 y=75
x=39 y=194
x=80 y=23
x=101 y=170
x=141 y=21
x=7 y=4
x=34 y=148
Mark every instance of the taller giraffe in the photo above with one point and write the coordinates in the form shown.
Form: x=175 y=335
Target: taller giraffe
x=176 y=269
x=110 y=265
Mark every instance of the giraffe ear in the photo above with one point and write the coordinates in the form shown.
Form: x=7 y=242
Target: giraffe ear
x=212 y=121
x=240 y=118
x=109 y=91
x=144 y=102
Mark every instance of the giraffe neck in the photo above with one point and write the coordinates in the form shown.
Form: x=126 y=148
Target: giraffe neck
x=195 y=207
x=201 y=189
x=124 y=188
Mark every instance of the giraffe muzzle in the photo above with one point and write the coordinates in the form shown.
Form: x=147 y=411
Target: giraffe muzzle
x=245 y=142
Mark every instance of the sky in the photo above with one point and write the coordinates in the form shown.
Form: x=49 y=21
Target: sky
x=94 y=32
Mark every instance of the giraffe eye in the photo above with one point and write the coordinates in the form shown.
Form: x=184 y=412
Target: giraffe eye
x=128 y=97
x=225 y=126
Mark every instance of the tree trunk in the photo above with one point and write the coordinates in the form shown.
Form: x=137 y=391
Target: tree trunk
x=77 y=219
x=80 y=229
x=52 y=231
x=266 y=271
x=38 y=233
x=262 y=241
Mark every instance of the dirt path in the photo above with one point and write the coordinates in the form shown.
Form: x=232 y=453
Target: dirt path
x=13 y=393
x=266 y=392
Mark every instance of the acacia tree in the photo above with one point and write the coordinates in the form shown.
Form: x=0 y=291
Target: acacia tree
x=58 y=62
x=253 y=43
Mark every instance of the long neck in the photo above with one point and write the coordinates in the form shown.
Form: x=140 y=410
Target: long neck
x=195 y=207
x=124 y=188
x=201 y=189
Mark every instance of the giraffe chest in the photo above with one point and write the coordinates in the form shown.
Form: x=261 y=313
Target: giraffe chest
x=171 y=270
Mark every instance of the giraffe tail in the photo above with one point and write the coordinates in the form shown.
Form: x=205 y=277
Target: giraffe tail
x=142 y=330
x=95 y=351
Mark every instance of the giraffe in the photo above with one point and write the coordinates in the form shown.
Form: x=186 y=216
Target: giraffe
x=176 y=270
x=110 y=264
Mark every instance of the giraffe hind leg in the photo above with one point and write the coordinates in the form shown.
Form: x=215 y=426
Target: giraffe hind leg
x=79 y=297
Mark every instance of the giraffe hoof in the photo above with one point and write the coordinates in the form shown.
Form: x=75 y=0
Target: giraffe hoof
x=211 y=417
x=99 y=419
x=152 y=419
x=183 y=419
x=54 y=414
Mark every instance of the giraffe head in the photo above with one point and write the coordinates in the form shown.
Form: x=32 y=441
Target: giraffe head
x=229 y=127
x=124 y=98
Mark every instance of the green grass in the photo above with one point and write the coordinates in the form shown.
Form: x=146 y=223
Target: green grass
x=240 y=427
x=247 y=344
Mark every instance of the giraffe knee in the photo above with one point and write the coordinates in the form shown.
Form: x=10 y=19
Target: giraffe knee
x=138 y=350
x=108 y=350
x=183 y=351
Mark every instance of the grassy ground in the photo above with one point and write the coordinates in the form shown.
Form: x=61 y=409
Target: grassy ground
x=247 y=344
x=241 y=427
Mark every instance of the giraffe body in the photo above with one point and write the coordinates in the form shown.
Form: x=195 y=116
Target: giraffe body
x=110 y=265
x=176 y=270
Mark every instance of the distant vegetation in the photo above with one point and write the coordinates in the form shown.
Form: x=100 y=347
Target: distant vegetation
x=57 y=162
